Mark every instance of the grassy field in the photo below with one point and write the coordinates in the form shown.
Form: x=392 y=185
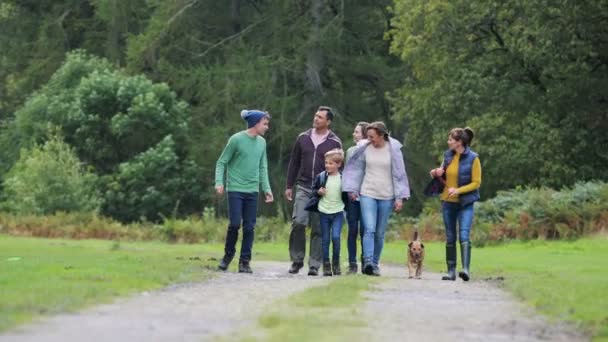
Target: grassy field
x=565 y=280
x=44 y=276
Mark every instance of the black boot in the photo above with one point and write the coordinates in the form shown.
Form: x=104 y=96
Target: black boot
x=465 y=255
x=450 y=259
x=244 y=267
x=224 y=263
x=313 y=271
x=295 y=267
x=326 y=269
x=335 y=268
x=352 y=268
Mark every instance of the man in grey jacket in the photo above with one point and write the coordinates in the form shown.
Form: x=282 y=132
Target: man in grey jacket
x=307 y=160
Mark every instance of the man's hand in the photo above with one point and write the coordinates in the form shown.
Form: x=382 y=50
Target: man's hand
x=353 y=196
x=289 y=194
x=322 y=191
x=219 y=189
x=453 y=192
x=269 y=197
x=398 y=205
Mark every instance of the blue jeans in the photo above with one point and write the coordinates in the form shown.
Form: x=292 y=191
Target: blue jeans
x=242 y=207
x=331 y=225
x=374 y=216
x=355 y=227
x=455 y=213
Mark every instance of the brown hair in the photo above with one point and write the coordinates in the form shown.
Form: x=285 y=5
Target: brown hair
x=380 y=128
x=363 y=126
x=465 y=135
x=336 y=155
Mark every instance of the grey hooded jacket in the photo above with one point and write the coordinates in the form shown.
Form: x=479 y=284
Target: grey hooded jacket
x=352 y=177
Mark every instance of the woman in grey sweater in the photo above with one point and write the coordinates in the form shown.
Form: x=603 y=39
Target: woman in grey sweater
x=376 y=175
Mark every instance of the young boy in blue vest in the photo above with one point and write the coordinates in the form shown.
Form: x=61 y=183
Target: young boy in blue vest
x=331 y=200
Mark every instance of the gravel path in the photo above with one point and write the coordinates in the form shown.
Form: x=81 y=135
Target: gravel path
x=190 y=312
x=431 y=309
x=399 y=309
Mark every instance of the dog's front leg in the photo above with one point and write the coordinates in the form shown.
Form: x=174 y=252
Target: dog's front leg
x=411 y=269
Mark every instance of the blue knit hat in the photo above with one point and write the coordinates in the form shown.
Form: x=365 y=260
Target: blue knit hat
x=252 y=116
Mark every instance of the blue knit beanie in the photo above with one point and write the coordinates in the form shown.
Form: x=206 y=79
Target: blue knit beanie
x=252 y=116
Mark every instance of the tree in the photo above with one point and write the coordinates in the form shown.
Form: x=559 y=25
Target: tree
x=527 y=75
x=50 y=178
x=112 y=120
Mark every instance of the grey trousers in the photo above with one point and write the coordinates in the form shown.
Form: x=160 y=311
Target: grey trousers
x=300 y=220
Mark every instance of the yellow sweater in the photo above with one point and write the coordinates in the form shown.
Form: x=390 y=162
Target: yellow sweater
x=451 y=175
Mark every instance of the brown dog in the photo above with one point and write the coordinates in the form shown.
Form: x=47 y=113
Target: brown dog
x=415 y=257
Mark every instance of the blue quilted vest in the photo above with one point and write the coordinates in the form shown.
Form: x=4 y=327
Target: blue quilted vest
x=465 y=173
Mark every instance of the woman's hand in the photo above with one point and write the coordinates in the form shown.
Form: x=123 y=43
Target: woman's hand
x=322 y=191
x=438 y=172
x=453 y=192
x=398 y=205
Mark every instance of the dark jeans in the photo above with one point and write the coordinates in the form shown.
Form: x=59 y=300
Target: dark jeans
x=455 y=213
x=297 y=238
x=331 y=227
x=355 y=228
x=242 y=206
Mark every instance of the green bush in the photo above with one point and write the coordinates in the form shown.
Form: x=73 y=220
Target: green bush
x=50 y=178
x=533 y=213
x=129 y=131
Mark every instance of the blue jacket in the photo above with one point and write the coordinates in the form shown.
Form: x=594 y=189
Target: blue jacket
x=465 y=173
x=355 y=170
x=320 y=181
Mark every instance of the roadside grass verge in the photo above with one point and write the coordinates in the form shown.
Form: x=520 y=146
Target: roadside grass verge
x=47 y=276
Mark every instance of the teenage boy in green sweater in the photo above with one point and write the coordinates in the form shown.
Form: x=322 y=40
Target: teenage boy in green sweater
x=246 y=167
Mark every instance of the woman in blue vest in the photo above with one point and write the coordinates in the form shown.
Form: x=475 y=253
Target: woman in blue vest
x=461 y=172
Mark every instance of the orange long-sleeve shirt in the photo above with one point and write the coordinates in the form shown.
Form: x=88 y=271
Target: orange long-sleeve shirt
x=451 y=179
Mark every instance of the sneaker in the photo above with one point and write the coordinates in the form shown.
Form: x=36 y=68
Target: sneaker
x=224 y=263
x=313 y=271
x=244 y=267
x=352 y=268
x=368 y=269
x=376 y=271
x=326 y=269
x=335 y=268
x=295 y=267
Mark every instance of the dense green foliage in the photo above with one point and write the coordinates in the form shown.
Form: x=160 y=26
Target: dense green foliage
x=529 y=76
x=148 y=91
x=50 y=178
x=530 y=213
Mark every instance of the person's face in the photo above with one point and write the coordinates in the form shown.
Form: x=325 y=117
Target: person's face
x=320 y=121
x=374 y=138
x=262 y=126
x=331 y=166
x=454 y=144
x=357 y=134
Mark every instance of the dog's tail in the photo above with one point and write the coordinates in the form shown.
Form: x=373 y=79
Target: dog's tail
x=415 y=235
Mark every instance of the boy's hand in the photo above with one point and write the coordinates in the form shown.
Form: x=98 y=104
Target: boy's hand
x=269 y=197
x=322 y=192
x=219 y=189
